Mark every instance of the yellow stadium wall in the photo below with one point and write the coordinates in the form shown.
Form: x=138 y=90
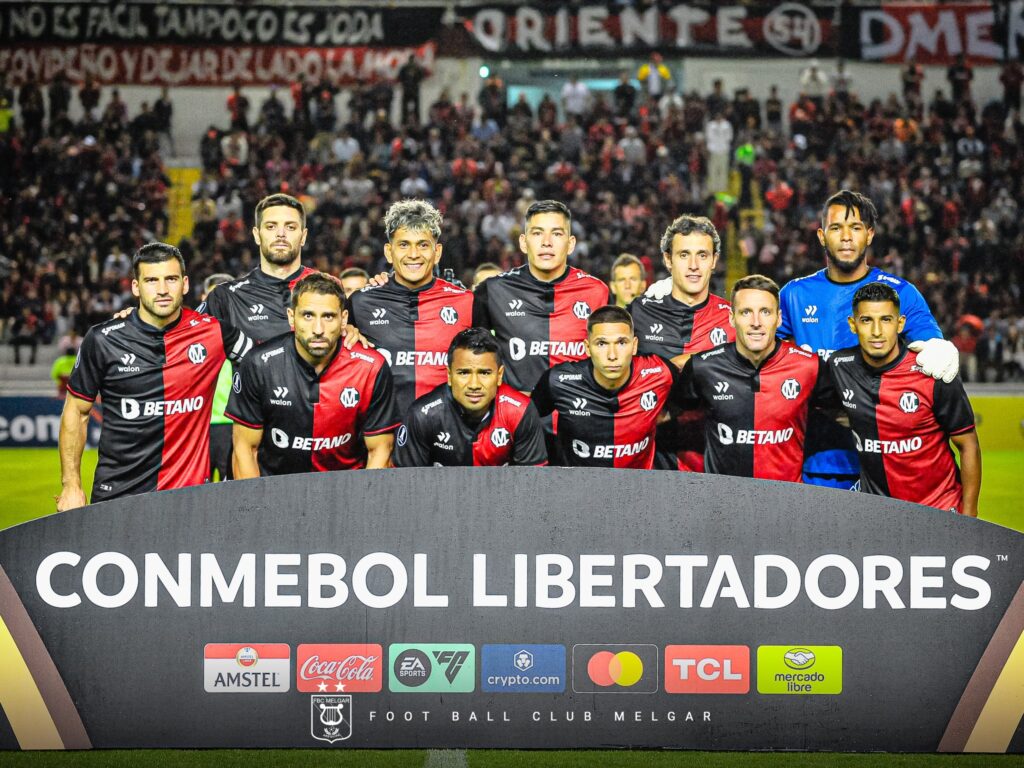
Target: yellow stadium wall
x=1000 y=422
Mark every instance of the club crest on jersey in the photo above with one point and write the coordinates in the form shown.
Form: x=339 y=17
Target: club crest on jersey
x=197 y=353
x=581 y=309
x=649 y=400
x=500 y=437
x=349 y=397
x=718 y=336
x=909 y=402
x=449 y=316
x=791 y=389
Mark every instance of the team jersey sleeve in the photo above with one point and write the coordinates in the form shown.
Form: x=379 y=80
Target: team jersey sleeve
x=952 y=407
x=920 y=325
x=236 y=344
x=481 y=314
x=785 y=329
x=213 y=306
x=529 y=449
x=684 y=389
x=87 y=375
x=824 y=393
x=382 y=415
x=350 y=307
x=411 y=447
x=541 y=396
x=244 y=403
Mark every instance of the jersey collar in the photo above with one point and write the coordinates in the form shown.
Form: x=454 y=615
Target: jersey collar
x=306 y=367
x=464 y=417
x=871 y=276
x=588 y=376
x=145 y=327
x=263 y=277
x=398 y=286
x=888 y=366
x=747 y=365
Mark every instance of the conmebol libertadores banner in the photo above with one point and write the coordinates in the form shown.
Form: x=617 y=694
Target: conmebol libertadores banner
x=526 y=608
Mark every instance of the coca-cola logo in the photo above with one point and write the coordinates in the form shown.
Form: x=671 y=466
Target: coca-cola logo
x=339 y=668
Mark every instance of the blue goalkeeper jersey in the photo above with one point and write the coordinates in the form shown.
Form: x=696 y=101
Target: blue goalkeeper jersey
x=814 y=315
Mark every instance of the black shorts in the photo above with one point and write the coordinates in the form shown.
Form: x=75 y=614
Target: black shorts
x=220 y=451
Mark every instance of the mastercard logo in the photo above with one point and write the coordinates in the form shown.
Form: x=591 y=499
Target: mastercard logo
x=623 y=669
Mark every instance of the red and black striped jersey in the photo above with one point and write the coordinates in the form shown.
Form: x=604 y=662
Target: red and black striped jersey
x=756 y=417
x=667 y=327
x=537 y=324
x=902 y=421
x=596 y=427
x=256 y=303
x=312 y=422
x=438 y=432
x=412 y=329
x=156 y=389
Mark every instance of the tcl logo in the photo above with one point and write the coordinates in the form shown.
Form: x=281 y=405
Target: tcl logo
x=707 y=669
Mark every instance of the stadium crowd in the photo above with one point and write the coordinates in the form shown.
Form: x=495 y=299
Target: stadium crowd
x=945 y=174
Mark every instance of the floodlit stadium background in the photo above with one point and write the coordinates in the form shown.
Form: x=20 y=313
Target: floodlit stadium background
x=79 y=195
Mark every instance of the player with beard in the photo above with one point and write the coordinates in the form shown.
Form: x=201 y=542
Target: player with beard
x=257 y=303
x=304 y=403
x=155 y=372
x=814 y=316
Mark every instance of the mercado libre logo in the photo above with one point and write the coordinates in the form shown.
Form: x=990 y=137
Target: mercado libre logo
x=800 y=670
x=615 y=668
x=432 y=668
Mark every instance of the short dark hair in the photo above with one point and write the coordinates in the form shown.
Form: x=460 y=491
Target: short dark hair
x=479 y=341
x=852 y=200
x=609 y=314
x=875 y=291
x=156 y=253
x=218 y=278
x=279 y=198
x=318 y=282
x=548 y=206
x=625 y=260
x=756 y=283
x=354 y=272
x=687 y=225
x=487 y=265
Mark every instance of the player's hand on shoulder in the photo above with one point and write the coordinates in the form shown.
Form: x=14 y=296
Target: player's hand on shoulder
x=353 y=337
x=659 y=289
x=381 y=279
x=937 y=358
x=123 y=313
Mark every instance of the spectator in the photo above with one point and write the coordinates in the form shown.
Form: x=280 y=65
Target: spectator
x=238 y=109
x=654 y=76
x=718 y=134
x=576 y=99
x=410 y=76
x=1012 y=76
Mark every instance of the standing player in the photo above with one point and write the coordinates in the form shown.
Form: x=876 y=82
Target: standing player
x=539 y=312
x=756 y=391
x=412 y=319
x=304 y=403
x=628 y=279
x=680 y=316
x=814 y=315
x=607 y=405
x=220 y=425
x=257 y=303
x=902 y=421
x=474 y=420
x=155 y=372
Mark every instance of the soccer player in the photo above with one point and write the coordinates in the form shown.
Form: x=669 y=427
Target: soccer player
x=354 y=279
x=903 y=421
x=628 y=279
x=257 y=303
x=756 y=391
x=304 y=403
x=412 y=318
x=608 y=404
x=539 y=311
x=473 y=420
x=155 y=372
x=220 y=425
x=680 y=316
x=814 y=316
x=484 y=271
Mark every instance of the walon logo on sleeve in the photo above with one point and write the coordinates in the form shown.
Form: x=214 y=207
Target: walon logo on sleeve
x=522 y=668
x=345 y=668
x=432 y=668
x=615 y=668
x=800 y=670
x=246 y=668
x=707 y=669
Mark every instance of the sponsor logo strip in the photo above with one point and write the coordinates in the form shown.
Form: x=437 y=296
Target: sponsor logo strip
x=522 y=668
x=707 y=669
x=615 y=668
x=432 y=668
x=800 y=669
x=246 y=667
x=347 y=668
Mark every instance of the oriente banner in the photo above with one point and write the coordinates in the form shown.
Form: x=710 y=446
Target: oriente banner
x=512 y=608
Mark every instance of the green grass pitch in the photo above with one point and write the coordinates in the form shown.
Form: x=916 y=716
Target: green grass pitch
x=31 y=478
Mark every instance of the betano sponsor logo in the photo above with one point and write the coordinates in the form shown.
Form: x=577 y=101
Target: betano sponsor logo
x=517 y=349
x=800 y=670
x=416 y=357
x=132 y=409
x=66 y=580
x=727 y=435
x=246 y=667
x=906 y=445
x=586 y=451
